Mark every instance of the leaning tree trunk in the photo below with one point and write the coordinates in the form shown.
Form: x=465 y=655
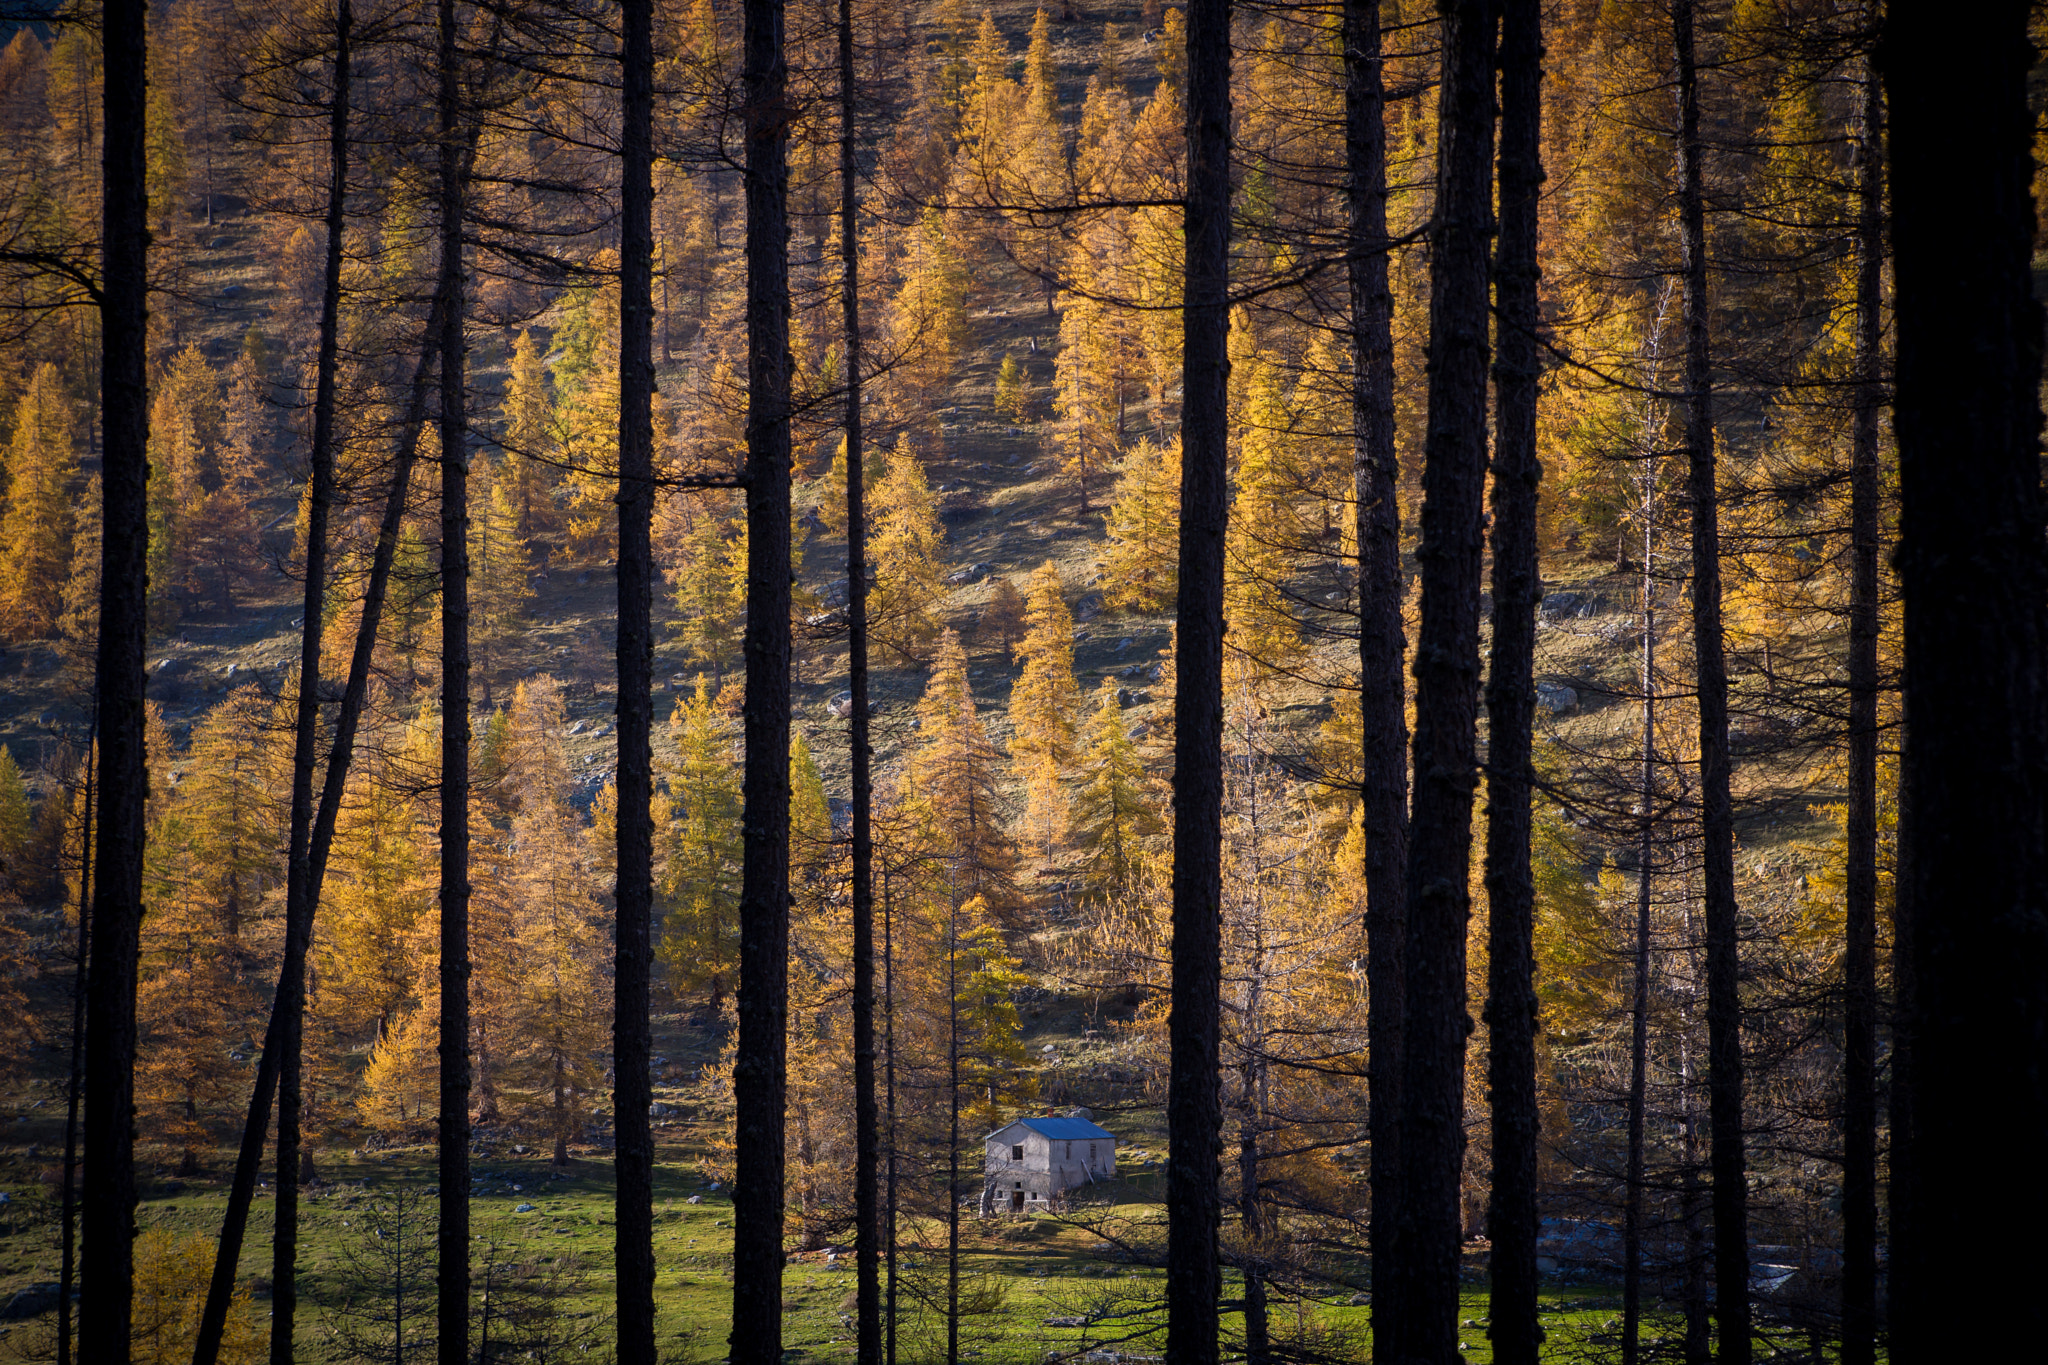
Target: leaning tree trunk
x=1859 y=956
x=867 y=1158
x=1972 y=575
x=632 y=1042
x=760 y=1068
x=452 y=1273
x=1194 y=1112
x=1435 y=1023
x=1383 y=716
x=242 y=1187
x=1717 y=807
x=1510 y=702
x=290 y=1005
x=106 y=1222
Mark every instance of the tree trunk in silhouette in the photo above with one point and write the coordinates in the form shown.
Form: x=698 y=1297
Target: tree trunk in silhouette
x=1859 y=957
x=1194 y=1110
x=452 y=1273
x=67 y=1274
x=1381 y=640
x=1511 y=701
x=1717 y=807
x=290 y=1004
x=632 y=1039
x=1971 y=570
x=1639 y=986
x=1435 y=1023
x=107 y=1221
x=867 y=1150
x=760 y=1066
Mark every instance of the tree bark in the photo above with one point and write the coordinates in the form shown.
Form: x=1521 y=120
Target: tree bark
x=1972 y=575
x=291 y=996
x=866 y=1174
x=452 y=1275
x=1717 y=809
x=1511 y=701
x=760 y=1068
x=1435 y=1023
x=1859 y=957
x=1639 y=994
x=1382 y=644
x=1194 y=1111
x=67 y=1274
x=632 y=1039
x=107 y=1219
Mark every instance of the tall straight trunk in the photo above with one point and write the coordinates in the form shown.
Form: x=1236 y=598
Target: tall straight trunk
x=866 y=1169
x=269 y=1065
x=889 y=1121
x=632 y=1038
x=67 y=1273
x=1639 y=997
x=1717 y=807
x=290 y=1005
x=1972 y=574
x=1511 y=701
x=1194 y=1110
x=452 y=1272
x=760 y=1068
x=1383 y=788
x=953 y=1140
x=1859 y=956
x=107 y=1220
x=1435 y=1023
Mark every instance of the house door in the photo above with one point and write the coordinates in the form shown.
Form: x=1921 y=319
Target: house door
x=1016 y=1201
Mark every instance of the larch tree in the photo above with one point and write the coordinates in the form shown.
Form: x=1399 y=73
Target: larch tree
x=1511 y=701
x=1424 y=1252
x=107 y=1221
x=1194 y=1106
x=760 y=1068
x=908 y=548
x=1710 y=662
x=1115 y=812
x=36 y=518
x=633 y=893
x=1973 y=894
x=1043 y=703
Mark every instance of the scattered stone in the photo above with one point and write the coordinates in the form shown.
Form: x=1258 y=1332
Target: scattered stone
x=1556 y=698
x=524 y=1208
x=1089 y=607
x=694 y=1199
x=1570 y=606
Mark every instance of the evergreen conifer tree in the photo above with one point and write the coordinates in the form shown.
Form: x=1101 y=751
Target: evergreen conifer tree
x=36 y=521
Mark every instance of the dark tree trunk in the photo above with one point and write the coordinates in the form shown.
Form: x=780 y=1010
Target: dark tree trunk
x=1859 y=957
x=1511 y=701
x=452 y=1274
x=1972 y=574
x=953 y=1139
x=866 y=1173
x=1194 y=1111
x=760 y=1068
x=67 y=1274
x=1435 y=1023
x=107 y=1221
x=290 y=1005
x=1717 y=808
x=1639 y=995
x=1382 y=644
x=889 y=1123
x=632 y=1041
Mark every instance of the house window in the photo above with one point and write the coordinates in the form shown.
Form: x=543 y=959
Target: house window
x=1016 y=1154
x=1070 y=1151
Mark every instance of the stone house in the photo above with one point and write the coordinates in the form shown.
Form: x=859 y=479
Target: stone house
x=1033 y=1162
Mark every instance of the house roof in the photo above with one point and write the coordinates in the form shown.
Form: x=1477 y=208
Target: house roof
x=1059 y=1129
